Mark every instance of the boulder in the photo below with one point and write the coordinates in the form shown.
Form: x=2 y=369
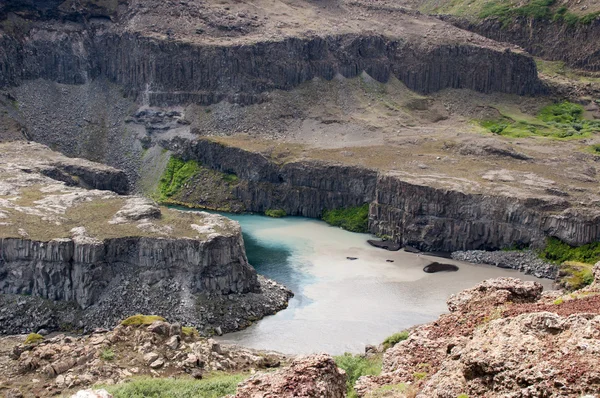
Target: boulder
x=92 y=394
x=439 y=267
x=385 y=244
x=311 y=376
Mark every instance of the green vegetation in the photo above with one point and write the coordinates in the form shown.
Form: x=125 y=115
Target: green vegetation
x=140 y=320
x=34 y=338
x=595 y=149
x=558 y=301
x=395 y=339
x=175 y=176
x=275 y=213
x=230 y=178
x=562 y=121
x=355 y=219
x=544 y=10
x=462 y=396
x=356 y=366
x=575 y=270
x=107 y=354
x=213 y=386
x=190 y=331
x=389 y=390
x=559 y=252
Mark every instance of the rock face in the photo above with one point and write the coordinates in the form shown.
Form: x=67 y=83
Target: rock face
x=71 y=256
x=575 y=45
x=525 y=261
x=503 y=338
x=312 y=376
x=411 y=211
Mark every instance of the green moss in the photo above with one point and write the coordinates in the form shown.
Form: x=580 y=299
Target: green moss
x=394 y=339
x=462 y=396
x=558 y=301
x=574 y=276
x=561 y=121
x=190 y=331
x=176 y=174
x=212 y=386
x=275 y=213
x=357 y=366
x=107 y=354
x=355 y=219
x=559 y=252
x=139 y=320
x=230 y=178
x=34 y=338
x=419 y=375
x=589 y=18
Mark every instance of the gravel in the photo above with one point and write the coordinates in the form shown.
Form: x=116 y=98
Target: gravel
x=525 y=261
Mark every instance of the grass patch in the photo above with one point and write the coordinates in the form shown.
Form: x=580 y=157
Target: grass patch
x=176 y=174
x=394 y=339
x=275 y=213
x=355 y=219
x=230 y=178
x=558 y=301
x=140 y=320
x=34 y=338
x=107 y=354
x=213 y=386
x=390 y=390
x=561 y=121
x=357 y=366
x=541 y=10
x=574 y=275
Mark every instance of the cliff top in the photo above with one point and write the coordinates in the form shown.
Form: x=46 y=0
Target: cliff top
x=45 y=195
x=231 y=22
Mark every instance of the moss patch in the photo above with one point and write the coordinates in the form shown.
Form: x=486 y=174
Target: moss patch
x=560 y=121
x=356 y=366
x=355 y=219
x=275 y=213
x=575 y=269
x=140 y=320
x=212 y=386
x=34 y=338
x=177 y=173
x=189 y=331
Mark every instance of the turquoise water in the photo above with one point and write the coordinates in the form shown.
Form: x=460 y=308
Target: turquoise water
x=340 y=305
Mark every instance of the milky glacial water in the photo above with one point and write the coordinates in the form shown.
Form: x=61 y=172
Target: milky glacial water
x=341 y=305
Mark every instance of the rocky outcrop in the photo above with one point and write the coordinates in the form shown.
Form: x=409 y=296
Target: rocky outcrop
x=312 y=376
x=159 y=349
x=77 y=258
x=502 y=338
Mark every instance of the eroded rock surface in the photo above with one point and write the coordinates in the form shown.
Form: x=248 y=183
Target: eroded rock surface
x=311 y=376
x=502 y=338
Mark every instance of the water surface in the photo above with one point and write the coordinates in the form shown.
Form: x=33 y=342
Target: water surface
x=341 y=305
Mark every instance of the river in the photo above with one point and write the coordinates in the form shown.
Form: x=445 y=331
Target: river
x=340 y=305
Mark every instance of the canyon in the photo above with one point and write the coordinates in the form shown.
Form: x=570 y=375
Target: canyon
x=461 y=131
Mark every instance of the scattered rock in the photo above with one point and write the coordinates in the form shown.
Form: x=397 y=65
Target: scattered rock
x=157 y=364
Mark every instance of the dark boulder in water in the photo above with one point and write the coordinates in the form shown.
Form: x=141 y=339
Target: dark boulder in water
x=352 y=258
x=385 y=244
x=439 y=267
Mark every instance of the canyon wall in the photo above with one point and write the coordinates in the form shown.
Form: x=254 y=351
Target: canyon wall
x=79 y=271
x=413 y=213
x=577 y=45
x=167 y=72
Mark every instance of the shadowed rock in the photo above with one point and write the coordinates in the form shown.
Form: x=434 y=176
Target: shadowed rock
x=439 y=267
x=385 y=244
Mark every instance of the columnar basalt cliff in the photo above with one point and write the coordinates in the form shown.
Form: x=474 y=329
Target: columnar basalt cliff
x=576 y=45
x=417 y=212
x=94 y=257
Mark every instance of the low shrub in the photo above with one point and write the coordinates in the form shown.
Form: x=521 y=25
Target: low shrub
x=354 y=219
x=177 y=173
x=139 y=320
x=34 y=338
x=213 y=386
x=189 y=331
x=394 y=339
x=559 y=252
x=107 y=354
x=357 y=366
x=275 y=213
